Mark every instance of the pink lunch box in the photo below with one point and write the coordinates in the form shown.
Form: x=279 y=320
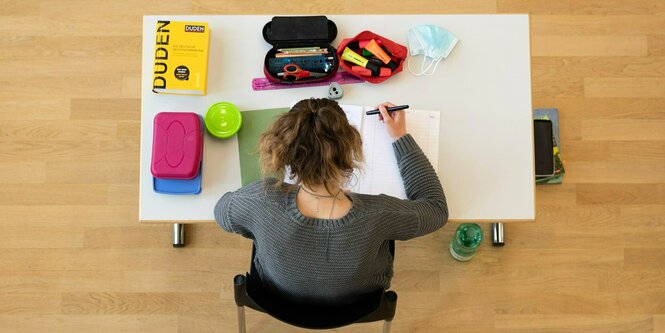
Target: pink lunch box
x=177 y=145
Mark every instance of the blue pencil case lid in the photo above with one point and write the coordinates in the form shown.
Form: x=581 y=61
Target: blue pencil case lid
x=178 y=186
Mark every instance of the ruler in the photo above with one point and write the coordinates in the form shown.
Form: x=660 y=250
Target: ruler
x=262 y=83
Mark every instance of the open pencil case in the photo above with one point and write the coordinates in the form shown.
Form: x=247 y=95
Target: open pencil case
x=301 y=50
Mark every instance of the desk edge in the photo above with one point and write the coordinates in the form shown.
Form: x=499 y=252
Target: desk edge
x=451 y=220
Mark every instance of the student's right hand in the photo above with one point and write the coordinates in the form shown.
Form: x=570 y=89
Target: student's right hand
x=395 y=121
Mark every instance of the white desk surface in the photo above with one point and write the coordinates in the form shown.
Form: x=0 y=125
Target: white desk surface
x=483 y=91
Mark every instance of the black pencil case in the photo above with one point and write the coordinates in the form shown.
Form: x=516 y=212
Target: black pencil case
x=307 y=32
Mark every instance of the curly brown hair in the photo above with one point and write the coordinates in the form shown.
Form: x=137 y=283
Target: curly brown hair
x=314 y=140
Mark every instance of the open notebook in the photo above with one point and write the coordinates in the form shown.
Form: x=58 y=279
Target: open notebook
x=380 y=173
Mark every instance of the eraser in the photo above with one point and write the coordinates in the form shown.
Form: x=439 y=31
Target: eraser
x=335 y=91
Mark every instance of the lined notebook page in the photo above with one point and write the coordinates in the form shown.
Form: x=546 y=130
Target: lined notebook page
x=380 y=173
x=354 y=113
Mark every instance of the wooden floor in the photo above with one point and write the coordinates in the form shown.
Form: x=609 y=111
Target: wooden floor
x=73 y=257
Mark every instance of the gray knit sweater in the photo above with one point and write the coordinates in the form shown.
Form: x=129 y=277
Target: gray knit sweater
x=319 y=260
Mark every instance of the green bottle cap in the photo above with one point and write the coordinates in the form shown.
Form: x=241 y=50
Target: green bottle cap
x=223 y=120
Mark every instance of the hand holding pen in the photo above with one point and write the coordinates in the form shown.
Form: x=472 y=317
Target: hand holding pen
x=395 y=121
x=390 y=109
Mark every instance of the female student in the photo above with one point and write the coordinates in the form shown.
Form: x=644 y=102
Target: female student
x=316 y=242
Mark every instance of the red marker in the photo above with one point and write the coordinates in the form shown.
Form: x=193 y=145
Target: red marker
x=384 y=71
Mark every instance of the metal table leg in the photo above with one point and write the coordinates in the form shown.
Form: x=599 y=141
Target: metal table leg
x=241 y=319
x=497 y=234
x=178 y=235
x=386 y=326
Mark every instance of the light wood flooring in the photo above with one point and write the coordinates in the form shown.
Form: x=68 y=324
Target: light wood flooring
x=73 y=257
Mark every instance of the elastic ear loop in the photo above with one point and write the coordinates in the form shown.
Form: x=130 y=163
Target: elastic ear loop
x=423 y=70
x=422 y=66
x=434 y=69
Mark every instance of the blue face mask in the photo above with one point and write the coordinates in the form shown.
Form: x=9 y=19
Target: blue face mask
x=430 y=41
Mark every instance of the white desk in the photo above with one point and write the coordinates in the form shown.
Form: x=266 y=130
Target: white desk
x=483 y=91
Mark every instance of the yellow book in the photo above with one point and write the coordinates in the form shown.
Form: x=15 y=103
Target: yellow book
x=181 y=58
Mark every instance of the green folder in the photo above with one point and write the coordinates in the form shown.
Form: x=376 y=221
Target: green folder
x=254 y=123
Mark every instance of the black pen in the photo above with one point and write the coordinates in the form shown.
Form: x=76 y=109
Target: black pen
x=390 y=108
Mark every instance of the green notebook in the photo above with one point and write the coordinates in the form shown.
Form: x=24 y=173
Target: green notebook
x=253 y=124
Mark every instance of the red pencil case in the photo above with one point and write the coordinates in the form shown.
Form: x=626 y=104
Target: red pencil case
x=396 y=52
x=177 y=145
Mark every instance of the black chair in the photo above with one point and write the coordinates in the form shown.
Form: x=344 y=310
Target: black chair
x=375 y=306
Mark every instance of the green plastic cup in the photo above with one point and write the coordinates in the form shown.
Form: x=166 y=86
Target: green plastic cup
x=223 y=120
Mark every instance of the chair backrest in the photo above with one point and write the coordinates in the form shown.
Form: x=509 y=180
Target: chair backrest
x=374 y=306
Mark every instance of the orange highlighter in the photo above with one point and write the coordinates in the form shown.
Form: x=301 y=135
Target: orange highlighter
x=374 y=48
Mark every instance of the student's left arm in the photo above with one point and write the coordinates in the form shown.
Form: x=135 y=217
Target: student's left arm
x=229 y=216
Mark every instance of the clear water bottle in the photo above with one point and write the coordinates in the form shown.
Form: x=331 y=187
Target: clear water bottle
x=466 y=241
